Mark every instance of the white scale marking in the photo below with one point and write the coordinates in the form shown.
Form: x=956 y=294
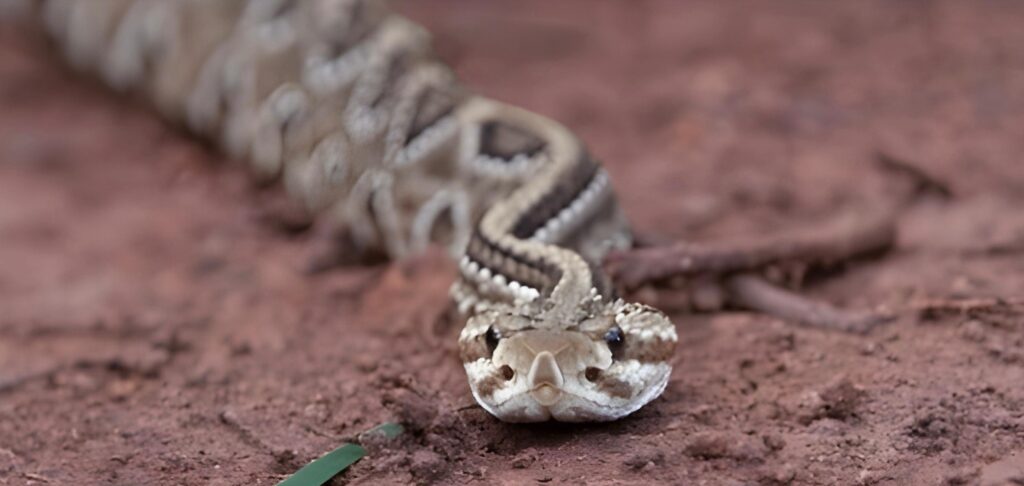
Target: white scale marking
x=483 y=275
x=428 y=140
x=499 y=168
x=561 y=223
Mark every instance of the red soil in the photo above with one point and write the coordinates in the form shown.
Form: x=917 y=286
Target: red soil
x=155 y=329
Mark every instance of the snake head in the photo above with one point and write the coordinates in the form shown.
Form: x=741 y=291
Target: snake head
x=601 y=367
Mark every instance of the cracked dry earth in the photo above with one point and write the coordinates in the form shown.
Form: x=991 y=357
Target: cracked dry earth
x=156 y=329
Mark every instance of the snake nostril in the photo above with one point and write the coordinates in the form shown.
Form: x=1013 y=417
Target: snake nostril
x=506 y=372
x=592 y=373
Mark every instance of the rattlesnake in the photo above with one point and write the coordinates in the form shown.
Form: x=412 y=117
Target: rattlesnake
x=346 y=104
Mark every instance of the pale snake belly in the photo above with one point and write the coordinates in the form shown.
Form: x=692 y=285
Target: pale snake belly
x=347 y=105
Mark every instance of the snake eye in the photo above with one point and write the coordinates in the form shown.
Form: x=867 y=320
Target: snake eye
x=615 y=339
x=491 y=338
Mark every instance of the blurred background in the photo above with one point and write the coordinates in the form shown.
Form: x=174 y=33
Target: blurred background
x=155 y=327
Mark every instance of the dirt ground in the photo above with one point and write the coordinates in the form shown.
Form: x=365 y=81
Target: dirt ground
x=156 y=329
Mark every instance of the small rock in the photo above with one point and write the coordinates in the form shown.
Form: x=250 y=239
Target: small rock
x=838 y=401
x=120 y=390
x=646 y=460
x=525 y=459
x=842 y=399
x=870 y=349
x=366 y=363
x=426 y=465
x=318 y=411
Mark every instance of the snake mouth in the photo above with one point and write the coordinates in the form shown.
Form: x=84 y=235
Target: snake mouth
x=546 y=394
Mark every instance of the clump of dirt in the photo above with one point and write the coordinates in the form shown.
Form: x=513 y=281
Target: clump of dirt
x=838 y=401
x=156 y=327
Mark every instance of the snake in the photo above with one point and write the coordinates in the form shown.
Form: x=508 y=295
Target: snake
x=347 y=106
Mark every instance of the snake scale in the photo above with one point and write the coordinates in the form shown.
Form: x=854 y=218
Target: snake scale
x=346 y=104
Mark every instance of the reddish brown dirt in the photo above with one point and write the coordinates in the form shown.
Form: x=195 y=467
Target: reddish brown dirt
x=155 y=330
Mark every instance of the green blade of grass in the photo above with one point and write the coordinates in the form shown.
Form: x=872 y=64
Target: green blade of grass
x=326 y=467
x=387 y=430
x=333 y=463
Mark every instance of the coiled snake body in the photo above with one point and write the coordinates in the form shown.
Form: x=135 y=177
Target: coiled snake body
x=345 y=102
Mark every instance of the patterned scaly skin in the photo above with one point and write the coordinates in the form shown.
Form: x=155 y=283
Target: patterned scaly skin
x=347 y=105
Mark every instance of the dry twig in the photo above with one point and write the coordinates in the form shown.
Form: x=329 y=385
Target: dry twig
x=755 y=293
x=737 y=266
x=843 y=239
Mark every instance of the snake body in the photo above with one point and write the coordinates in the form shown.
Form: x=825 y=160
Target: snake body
x=346 y=104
